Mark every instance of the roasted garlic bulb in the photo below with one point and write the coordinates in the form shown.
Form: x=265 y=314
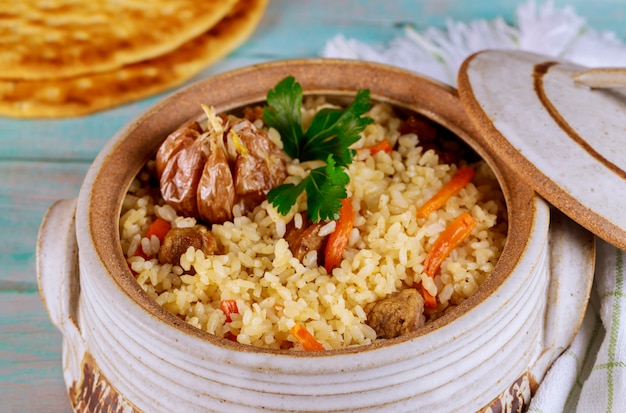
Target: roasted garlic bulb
x=204 y=173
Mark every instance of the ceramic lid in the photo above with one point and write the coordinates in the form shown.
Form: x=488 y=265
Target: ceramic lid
x=561 y=126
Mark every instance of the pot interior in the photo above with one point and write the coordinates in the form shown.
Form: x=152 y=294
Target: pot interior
x=134 y=145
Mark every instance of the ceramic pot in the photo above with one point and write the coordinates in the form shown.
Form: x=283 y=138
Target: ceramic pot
x=123 y=352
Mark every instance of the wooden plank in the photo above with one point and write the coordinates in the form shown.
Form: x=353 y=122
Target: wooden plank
x=82 y=138
x=45 y=160
x=31 y=375
x=27 y=189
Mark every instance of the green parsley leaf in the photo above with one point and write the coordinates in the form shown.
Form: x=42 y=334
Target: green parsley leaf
x=325 y=187
x=284 y=115
x=284 y=196
x=328 y=138
x=332 y=131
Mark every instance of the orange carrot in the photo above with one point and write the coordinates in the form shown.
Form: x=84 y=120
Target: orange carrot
x=229 y=307
x=429 y=300
x=380 y=146
x=462 y=177
x=305 y=338
x=230 y=336
x=453 y=236
x=338 y=239
x=139 y=253
x=158 y=227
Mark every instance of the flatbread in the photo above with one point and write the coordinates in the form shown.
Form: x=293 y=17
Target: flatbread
x=42 y=39
x=86 y=94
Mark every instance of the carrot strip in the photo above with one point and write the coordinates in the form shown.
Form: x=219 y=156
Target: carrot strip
x=429 y=300
x=461 y=178
x=305 y=338
x=338 y=239
x=453 y=236
x=139 y=253
x=158 y=227
x=229 y=307
x=380 y=146
x=230 y=336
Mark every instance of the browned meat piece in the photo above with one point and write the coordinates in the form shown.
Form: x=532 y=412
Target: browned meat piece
x=305 y=239
x=429 y=137
x=421 y=126
x=260 y=165
x=426 y=131
x=432 y=136
x=177 y=140
x=178 y=240
x=397 y=314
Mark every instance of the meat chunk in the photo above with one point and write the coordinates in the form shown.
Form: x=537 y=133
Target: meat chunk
x=178 y=240
x=432 y=136
x=306 y=238
x=397 y=314
x=428 y=135
x=421 y=126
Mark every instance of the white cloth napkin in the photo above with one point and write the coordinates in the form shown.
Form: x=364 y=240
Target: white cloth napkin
x=590 y=376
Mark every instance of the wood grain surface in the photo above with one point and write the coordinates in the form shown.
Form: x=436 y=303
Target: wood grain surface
x=45 y=160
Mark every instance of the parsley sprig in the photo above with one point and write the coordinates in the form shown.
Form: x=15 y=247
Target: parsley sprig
x=328 y=138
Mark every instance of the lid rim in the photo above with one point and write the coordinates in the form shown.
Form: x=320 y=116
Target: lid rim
x=501 y=148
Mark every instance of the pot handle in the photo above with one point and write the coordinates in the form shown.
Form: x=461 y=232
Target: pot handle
x=58 y=273
x=602 y=77
x=571 y=267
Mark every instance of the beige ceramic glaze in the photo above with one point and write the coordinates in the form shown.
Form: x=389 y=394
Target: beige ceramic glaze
x=123 y=352
x=561 y=125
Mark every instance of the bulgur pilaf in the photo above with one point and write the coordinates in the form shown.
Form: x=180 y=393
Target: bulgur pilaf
x=387 y=246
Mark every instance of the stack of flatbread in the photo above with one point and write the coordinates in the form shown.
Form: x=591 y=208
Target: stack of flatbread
x=61 y=58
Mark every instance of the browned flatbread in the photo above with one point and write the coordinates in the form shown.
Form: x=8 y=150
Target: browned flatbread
x=86 y=94
x=62 y=38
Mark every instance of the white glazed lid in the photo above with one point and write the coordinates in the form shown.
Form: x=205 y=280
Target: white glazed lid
x=561 y=126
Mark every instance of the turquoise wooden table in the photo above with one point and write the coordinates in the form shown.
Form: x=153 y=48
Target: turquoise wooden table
x=45 y=160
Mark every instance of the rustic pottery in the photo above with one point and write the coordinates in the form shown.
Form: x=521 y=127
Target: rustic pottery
x=122 y=352
x=559 y=125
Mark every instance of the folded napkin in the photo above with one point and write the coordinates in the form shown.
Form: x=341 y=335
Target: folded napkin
x=590 y=376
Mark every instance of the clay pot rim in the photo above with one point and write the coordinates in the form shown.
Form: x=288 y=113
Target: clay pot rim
x=134 y=144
